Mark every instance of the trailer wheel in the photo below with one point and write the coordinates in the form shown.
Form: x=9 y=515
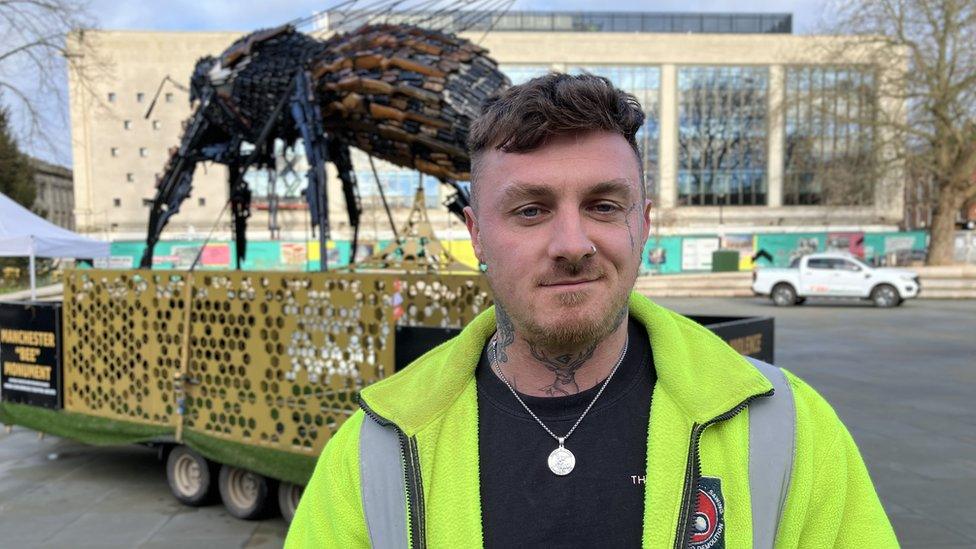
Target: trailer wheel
x=190 y=476
x=246 y=494
x=783 y=295
x=288 y=497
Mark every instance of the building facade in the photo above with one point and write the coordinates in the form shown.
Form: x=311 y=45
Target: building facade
x=749 y=128
x=55 y=193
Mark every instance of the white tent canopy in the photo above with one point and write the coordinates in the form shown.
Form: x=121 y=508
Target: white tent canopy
x=25 y=234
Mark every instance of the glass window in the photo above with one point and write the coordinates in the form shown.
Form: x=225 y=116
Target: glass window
x=829 y=155
x=130 y=177
x=844 y=265
x=713 y=23
x=722 y=135
x=156 y=124
x=655 y=23
x=644 y=82
x=143 y=152
x=399 y=184
x=114 y=151
x=127 y=124
x=288 y=177
x=140 y=97
x=597 y=22
x=819 y=263
x=686 y=23
x=626 y=23
x=168 y=97
x=111 y=97
x=747 y=24
x=117 y=202
x=536 y=21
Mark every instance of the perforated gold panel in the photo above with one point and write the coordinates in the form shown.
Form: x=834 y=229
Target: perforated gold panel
x=273 y=359
x=122 y=335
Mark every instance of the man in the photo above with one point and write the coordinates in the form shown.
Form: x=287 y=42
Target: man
x=576 y=413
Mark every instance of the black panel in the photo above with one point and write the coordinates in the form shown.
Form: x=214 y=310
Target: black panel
x=412 y=342
x=30 y=353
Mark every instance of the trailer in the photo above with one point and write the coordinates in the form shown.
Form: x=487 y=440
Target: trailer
x=238 y=379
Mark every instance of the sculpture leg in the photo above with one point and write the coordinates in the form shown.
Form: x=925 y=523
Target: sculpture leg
x=176 y=182
x=339 y=154
x=457 y=201
x=240 y=207
x=308 y=120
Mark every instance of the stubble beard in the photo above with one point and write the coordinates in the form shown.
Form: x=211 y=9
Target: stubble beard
x=575 y=332
x=570 y=330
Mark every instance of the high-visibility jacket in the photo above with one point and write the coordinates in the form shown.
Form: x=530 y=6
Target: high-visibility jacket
x=403 y=470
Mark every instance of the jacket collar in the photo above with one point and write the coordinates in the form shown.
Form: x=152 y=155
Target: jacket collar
x=703 y=375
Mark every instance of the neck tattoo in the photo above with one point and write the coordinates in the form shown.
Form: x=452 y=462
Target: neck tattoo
x=561 y=460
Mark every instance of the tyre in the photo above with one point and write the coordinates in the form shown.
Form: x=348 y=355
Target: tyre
x=885 y=295
x=783 y=295
x=191 y=477
x=288 y=496
x=246 y=494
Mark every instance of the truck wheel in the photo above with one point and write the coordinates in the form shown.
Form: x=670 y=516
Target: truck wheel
x=885 y=295
x=783 y=295
x=245 y=493
x=288 y=497
x=190 y=476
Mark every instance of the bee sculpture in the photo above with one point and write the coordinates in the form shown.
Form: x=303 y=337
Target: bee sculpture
x=400 y=93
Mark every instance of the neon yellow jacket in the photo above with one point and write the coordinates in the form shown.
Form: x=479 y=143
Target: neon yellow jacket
x=831 y=501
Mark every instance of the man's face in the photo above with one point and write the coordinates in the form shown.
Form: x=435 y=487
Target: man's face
x=539 y=215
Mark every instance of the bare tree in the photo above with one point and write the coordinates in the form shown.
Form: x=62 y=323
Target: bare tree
x=34 y=62
x=935 y=130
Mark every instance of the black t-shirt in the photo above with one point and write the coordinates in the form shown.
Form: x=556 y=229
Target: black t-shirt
x=601 y=502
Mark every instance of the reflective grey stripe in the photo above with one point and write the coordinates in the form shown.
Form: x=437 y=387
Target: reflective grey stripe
x=383 y=485
x=772 y=440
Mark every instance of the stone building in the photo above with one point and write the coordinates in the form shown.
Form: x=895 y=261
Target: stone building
x=55 y=193
x=749 y=127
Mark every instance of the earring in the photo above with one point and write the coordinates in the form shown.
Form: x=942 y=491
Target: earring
x=482 y=266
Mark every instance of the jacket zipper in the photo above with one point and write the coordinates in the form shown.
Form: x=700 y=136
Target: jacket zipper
x=689 y=503
x=410 y=460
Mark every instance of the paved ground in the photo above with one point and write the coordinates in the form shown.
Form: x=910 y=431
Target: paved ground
x=903 y=380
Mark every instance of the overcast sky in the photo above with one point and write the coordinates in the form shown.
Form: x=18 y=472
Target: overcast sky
x=245 y=15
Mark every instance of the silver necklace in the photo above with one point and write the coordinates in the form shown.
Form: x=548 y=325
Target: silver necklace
x=561 y=460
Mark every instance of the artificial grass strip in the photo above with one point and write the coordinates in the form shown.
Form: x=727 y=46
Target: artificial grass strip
x=93 y=430
x=287 y=466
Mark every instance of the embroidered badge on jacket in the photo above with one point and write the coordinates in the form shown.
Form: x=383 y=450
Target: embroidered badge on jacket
x=708 y=523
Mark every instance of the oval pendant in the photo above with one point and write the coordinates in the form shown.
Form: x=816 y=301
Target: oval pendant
x=561 y=461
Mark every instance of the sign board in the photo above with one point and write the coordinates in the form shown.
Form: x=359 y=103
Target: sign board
x=750 y=336
x=30 y=353
x=852 y=243
x=696 y=253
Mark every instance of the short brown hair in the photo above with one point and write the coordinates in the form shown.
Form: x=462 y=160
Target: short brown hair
x=527 y=116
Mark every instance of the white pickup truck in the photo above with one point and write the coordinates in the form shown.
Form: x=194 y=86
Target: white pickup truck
x=835 y=275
